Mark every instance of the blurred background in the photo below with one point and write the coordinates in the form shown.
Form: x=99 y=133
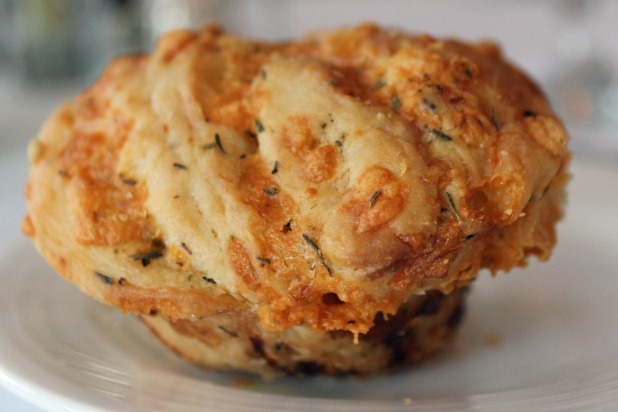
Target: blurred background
x=50 y=49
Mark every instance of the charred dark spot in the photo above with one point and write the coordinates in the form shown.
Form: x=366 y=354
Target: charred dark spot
x=287 y=227
x=530 y=113
x=456 y=317
x=399 y=342
x=258 y=346
x=306 y=368
x=430 y=305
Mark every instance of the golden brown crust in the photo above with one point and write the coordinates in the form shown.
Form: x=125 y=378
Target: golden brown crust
x=365 y=165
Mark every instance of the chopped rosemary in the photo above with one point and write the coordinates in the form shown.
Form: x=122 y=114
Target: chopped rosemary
x=338 y=143
x=121 y=281
x=441 y=135
x=229 y=332
x=209 y=280
x=106 y=279
x=374 y=197
x=129 y=182
x=395 y=103
x=270 y=191
x=494 y=120
x=275 y=168
x=259 y=126
x=148 y=256
x=218 y=143
x=471 y=236
x=263 y=260
x=323 y=126
x=429 y=105
x=186 y=248
x=318 y=252
x=468 y=71
x=179 y=166
x=530 y=113
x=380 y=84
x=451 y=204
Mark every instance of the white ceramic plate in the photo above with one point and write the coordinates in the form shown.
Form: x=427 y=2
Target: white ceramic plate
x=542 y=338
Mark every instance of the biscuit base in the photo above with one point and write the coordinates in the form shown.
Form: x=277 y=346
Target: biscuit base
x=237 y=342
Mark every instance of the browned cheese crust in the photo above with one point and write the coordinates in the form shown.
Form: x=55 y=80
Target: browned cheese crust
x=313 y=183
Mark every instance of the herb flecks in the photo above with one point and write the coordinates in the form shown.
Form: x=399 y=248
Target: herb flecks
x=380 y=84
x=395 y=103
x=209 y=280
x=374 y=197
x=129 y=182
x=229 y=332
x=429 y=105
x=259 y=126
x=275 y=168
x=270 y=191
x=184 y=246
x=530 y=113
x=318 y=252
x=218 y=143
x=146 y=257
x=451 y=205
x=180 y=166
x=106 y=279
x=494 y=119
x=264 y=260
x=441 y=135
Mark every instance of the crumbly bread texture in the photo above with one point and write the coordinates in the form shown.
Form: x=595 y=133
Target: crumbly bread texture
x=318 y=184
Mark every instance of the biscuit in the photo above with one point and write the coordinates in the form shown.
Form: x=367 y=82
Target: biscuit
x=306 y=187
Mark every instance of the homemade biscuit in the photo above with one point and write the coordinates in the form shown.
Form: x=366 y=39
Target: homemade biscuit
x=307 y=188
